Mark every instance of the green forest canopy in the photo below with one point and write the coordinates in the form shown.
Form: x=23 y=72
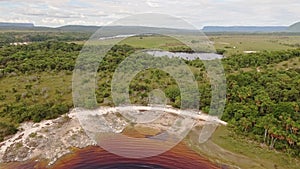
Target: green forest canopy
x=263 y=105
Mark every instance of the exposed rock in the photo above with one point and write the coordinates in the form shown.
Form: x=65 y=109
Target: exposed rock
x=51 y=139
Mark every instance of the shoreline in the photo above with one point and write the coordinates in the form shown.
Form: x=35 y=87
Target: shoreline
x=212 y=150
x=49 y=140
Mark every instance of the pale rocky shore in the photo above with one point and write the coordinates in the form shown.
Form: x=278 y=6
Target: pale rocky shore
x=51 y=139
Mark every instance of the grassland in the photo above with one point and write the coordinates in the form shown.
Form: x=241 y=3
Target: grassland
x=289 y=64
x=236 y=151
x=255 y=151
x=239 y=43
x=232 y=44
x=42 y=87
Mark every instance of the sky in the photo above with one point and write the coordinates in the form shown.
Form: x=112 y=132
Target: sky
x=199 y=13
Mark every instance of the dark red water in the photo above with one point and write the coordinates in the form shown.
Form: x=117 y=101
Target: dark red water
x=180 y=157
x=94 y=157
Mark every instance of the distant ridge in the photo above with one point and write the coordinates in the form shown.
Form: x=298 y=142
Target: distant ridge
x=245 y=29
x=81 y=28
x=294 y=28
x=23 y=25
x=117 y=30
x=142 y=29
x=139 y=29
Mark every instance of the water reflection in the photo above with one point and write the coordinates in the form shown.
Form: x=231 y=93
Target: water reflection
x=186 y=56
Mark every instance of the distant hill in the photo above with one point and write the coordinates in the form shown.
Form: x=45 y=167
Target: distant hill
x=23 y=25
x=294 y=28
x=251 y=29
x=117 y=30
x=106 y=30
x=80 y=28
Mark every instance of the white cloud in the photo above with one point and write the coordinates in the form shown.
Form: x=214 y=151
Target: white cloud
x=54 y=21
x=153 y=3
x=197 y=12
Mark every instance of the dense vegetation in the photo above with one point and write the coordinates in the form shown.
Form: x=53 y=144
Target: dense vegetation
x=263 y=105
x=262 y=59
x=11 y=37
x=38 y=57
x=32 y=96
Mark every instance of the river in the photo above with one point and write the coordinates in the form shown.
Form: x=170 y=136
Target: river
x=180 y=157
x=92 y=157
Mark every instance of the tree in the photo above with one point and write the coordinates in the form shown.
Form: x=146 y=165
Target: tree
x=172 y=93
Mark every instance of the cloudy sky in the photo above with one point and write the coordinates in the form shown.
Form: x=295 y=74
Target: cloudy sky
x=197 y=12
